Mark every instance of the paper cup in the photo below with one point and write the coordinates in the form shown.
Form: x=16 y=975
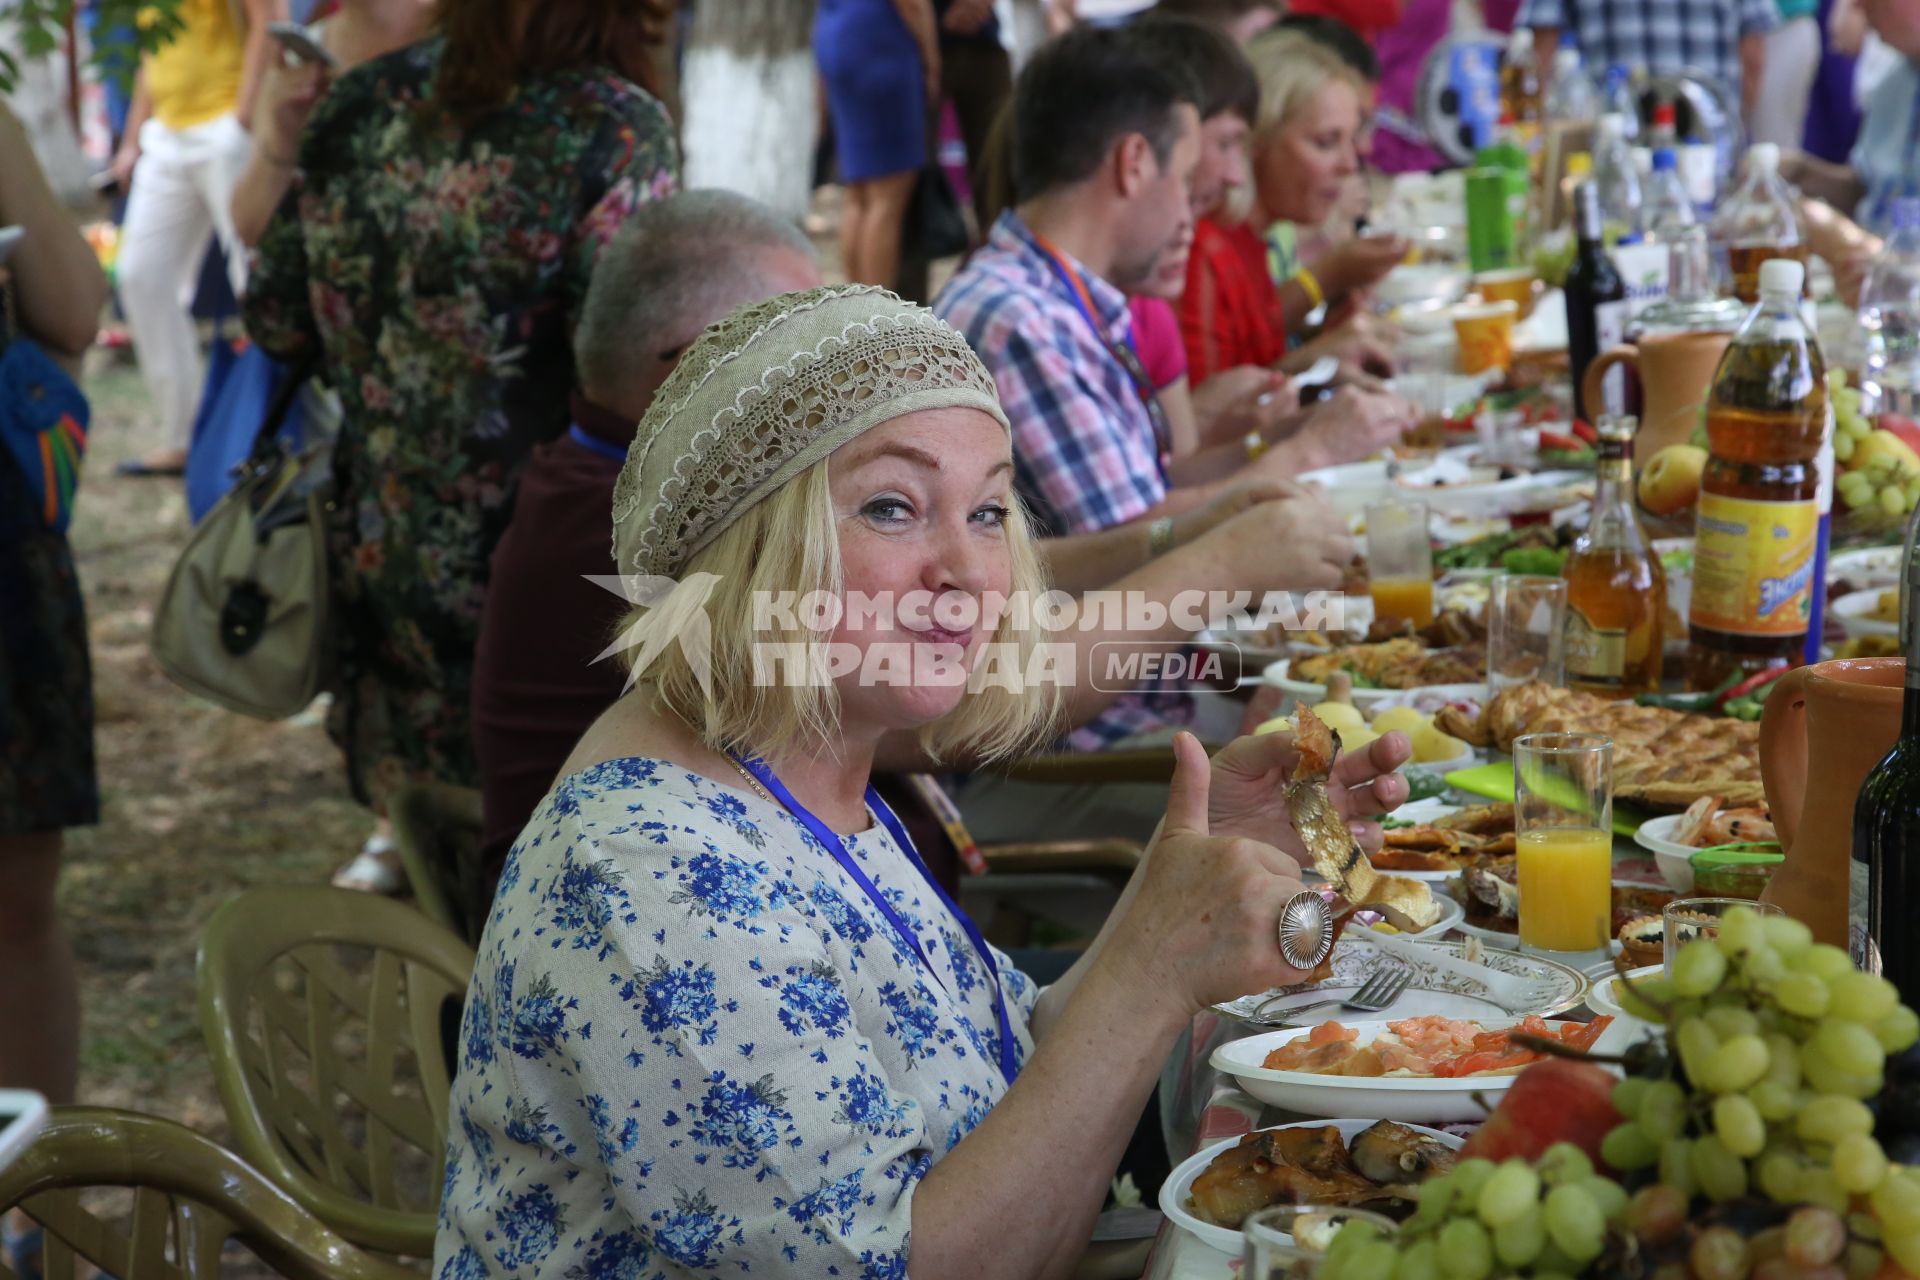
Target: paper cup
x=1515 y=285
x=1486 y=336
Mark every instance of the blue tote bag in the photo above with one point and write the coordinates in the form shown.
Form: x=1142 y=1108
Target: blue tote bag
x=241 y=379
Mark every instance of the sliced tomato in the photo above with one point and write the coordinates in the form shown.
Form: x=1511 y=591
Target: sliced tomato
x=1554 y=440
x=1585 y=431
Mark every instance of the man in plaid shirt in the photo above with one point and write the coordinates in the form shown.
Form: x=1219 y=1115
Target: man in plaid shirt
x=1106 y=139
x=1726 y=39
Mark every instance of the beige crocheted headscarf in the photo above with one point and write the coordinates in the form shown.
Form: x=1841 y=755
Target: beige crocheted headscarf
x=767 y=392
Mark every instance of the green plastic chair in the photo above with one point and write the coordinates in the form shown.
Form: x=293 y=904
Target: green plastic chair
x=436 y=828
x=190 y=1198
x=332 y=1019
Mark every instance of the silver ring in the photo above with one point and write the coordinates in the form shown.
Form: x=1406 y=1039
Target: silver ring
x=1306 y=930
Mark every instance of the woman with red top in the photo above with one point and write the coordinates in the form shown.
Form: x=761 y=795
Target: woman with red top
x=1304 y=148
x=1368 y=17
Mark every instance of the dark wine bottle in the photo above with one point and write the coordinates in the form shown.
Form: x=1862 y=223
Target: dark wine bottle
x=1596 y=304
x=1886 y=824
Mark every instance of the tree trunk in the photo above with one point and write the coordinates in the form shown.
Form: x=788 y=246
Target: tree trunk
x=749 y=87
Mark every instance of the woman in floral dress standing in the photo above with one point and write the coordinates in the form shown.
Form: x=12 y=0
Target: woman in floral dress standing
x=431 y=256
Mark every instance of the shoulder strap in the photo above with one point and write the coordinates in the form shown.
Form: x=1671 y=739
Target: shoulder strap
x=281 y=405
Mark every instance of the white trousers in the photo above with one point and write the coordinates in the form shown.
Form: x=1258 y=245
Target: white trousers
x=182 y=195
x=1786 y=84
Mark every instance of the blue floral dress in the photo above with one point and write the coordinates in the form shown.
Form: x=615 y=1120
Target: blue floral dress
x=694 y=1047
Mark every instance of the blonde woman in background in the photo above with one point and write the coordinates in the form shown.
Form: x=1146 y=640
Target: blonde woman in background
x=1303 y=152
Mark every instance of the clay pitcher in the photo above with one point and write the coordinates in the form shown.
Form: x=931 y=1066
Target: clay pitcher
x=1823 y=730
x=1675 y=371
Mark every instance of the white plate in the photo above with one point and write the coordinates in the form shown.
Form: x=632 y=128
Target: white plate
x=1423 y=813
x=1451 y=913
x=1412 y=1099
x=1307 y=693
x=1350 y=486
x=1852 y=610
x=1866 y=566
x=1411 y=284
x=1602 y=998
x=1179 y=1184
x=1552 y=987
x=1505 y=497
x=1430 y=698
x=1493 y=937
x=1676 y=860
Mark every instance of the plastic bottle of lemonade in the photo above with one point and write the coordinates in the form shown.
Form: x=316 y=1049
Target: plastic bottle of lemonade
x=1758 y=221
x=1757 y=530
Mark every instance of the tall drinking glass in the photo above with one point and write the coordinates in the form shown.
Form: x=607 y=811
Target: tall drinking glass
x=1400 y=561
x=1526 y=631
x=1563 y=817
x=1289 y=1241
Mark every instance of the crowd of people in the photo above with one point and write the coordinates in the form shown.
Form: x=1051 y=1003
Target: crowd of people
x=725 y=1013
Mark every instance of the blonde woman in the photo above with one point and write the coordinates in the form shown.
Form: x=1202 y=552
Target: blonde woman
x=1304 y=152
x=722 y=1021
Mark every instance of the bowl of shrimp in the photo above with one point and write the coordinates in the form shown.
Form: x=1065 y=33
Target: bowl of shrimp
x=1707 y=824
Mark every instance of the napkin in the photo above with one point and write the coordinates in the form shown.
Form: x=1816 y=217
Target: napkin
x=1495 y=782
x=1517 y=995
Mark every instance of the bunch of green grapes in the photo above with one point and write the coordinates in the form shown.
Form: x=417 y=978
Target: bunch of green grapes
x=1880 y=480
x=1775 y=1046
x=1549 y=1220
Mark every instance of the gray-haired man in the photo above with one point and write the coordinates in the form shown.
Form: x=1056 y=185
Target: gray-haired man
x=675 y=268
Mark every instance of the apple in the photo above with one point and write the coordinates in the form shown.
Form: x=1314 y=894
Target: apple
x=1558 y=1100
x=1670 y=482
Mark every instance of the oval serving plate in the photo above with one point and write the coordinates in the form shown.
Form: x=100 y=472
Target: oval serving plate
x=1179 y=1184
x=1308 y=693
x=1553 y=987
x=1409 y=1099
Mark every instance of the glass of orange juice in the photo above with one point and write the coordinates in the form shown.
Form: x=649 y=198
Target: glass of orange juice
x=1563 y=817
x=1400 y=561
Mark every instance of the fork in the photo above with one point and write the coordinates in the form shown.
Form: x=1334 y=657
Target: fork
x=1374 y=995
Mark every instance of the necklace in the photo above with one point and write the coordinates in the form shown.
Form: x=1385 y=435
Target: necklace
x=751 y=781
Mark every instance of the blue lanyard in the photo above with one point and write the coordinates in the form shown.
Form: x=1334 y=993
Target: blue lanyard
x=1125 y=353
x=587 y=440
x=838 y=848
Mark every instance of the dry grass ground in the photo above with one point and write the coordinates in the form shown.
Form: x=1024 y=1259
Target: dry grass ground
x=199 y=803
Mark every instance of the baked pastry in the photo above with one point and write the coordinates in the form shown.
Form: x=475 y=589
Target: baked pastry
x=1661 y=756
x=1643 y=939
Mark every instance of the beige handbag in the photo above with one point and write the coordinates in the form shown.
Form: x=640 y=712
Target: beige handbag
x=243 y=621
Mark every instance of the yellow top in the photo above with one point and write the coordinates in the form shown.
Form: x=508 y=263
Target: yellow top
x=195 y=77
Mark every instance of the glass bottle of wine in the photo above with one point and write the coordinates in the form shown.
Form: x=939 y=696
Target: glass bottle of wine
x=1596 y=305
x=1886 y=822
